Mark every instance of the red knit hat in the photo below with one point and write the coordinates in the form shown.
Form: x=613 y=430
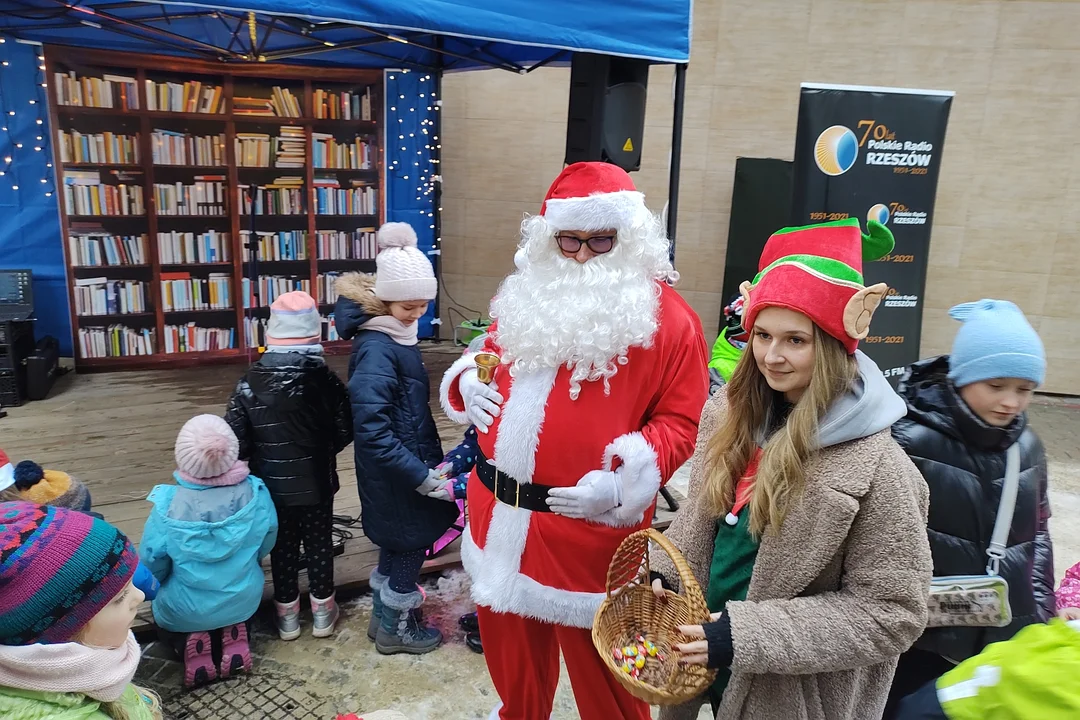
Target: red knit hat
x=593 y=196
x=817 y=270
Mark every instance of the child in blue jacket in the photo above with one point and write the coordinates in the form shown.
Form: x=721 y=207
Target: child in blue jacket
x=203 y=541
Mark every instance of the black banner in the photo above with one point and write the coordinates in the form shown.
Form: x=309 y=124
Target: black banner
x=875 y=153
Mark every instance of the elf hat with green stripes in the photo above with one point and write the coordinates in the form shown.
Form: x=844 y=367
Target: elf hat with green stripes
x=817 y=270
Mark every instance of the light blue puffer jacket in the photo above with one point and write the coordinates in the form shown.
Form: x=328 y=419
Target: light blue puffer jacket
x=204 y=545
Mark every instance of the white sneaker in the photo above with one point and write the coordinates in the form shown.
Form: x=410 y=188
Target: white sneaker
x=287 y=618
x=325 y=614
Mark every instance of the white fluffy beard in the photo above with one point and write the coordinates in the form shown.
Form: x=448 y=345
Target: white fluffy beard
x=557 y=312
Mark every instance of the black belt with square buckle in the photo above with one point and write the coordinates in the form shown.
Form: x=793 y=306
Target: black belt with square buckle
x=509 y=491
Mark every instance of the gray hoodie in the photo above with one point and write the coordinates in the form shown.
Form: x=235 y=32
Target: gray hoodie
x=870 y=406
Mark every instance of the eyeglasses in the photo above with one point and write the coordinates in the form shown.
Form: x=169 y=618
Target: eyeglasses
x=599 y=244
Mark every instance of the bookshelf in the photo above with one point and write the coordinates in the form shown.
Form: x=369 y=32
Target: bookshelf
x=195 y=192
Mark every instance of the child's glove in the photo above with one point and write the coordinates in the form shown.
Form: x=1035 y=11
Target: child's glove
x=446 y=492
x=433 y=480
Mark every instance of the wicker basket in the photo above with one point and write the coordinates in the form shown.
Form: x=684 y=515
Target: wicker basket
x=631 y=607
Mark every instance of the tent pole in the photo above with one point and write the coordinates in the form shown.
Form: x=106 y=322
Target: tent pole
x=676 y=154
x=436 y=154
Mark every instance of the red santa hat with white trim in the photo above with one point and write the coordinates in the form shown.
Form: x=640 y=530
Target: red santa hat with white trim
x=590 y=196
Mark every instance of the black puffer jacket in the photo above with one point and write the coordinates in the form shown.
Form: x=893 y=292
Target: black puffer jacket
x=291 y=415
x=963 y=461
x=395 y=439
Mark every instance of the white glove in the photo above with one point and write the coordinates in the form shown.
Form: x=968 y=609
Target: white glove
x=481 y=401
x=595 y=494
x=432 y=482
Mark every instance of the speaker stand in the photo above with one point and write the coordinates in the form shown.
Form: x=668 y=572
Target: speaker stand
x=671 y=503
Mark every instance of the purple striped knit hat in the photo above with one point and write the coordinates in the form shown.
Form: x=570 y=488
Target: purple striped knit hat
x=58 y=569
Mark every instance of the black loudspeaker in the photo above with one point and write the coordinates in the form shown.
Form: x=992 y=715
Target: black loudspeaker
x=42 y=368
x=606 y=121
x=760 y=205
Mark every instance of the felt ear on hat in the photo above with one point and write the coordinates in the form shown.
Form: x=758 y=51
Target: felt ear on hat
x=860 y=310
x=744 y=288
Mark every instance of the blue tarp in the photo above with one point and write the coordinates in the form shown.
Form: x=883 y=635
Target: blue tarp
x=475 y=33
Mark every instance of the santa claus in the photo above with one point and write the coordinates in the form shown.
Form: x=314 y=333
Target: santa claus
x=594 y=405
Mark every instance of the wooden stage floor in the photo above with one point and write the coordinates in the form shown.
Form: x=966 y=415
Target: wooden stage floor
x=115 y=432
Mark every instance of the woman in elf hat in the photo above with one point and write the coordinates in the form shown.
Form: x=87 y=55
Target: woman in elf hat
x=66 y=606
x=805 y=519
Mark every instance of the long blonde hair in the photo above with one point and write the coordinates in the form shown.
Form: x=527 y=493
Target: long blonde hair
x=782 y=470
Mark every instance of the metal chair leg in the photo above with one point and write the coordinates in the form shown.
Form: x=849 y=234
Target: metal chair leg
x=671 y=503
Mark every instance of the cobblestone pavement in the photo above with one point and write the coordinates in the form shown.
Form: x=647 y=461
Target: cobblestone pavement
x=317 y=679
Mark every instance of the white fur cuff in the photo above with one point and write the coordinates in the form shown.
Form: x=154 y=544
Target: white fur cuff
x=640 y=476
x=449 y=382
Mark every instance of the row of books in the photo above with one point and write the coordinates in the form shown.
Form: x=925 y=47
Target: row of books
x=193 y=338
x=255 y=331
x=269 y=287
x=116 y=341
x=330 y=105
x=109 y=91
x=192 y=96
x=101 y=296
x=252 y=150
x=358 y=244
x=277 y=246
x=100 y=249
x=289 y=148
x=328 y=152
x=181 y=292
x=85 y=194
x=177 y=148
x=103 y=147
x=206 y=196
x=326 y=287
x=281 y=103
x=284 y=196
x=178 y=248
x=359 y=200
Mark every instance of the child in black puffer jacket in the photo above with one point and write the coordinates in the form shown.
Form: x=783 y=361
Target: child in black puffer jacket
x=964 y=411
x=291 y=415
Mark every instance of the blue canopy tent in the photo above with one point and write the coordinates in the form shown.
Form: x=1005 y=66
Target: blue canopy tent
x=433 y=36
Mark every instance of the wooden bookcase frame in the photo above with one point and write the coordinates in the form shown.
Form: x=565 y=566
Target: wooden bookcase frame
x=144 y=67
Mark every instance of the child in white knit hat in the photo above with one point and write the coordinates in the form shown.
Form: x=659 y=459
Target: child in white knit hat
x=397 y=447
x=203 y=541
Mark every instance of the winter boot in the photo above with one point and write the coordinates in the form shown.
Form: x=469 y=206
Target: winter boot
x=199 y=668
x=469 y=622
x=287 y=616
x=401 y=630
x=377 y=582
x=235 y=651
x=325 y=614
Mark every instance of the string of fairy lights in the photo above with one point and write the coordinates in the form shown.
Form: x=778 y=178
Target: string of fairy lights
x=415 y=124
x=22 y=138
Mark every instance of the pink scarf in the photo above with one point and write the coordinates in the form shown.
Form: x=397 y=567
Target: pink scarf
x=101 y=674
x=235 y=475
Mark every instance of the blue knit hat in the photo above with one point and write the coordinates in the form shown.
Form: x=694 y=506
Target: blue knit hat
x=995 y=341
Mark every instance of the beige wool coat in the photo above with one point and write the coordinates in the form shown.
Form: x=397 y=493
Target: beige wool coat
x=835 y=596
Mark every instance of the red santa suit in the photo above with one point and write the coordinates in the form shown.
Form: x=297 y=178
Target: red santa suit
x=539 y=577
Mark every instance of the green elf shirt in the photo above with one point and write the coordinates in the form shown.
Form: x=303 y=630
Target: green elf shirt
x=734 y=553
